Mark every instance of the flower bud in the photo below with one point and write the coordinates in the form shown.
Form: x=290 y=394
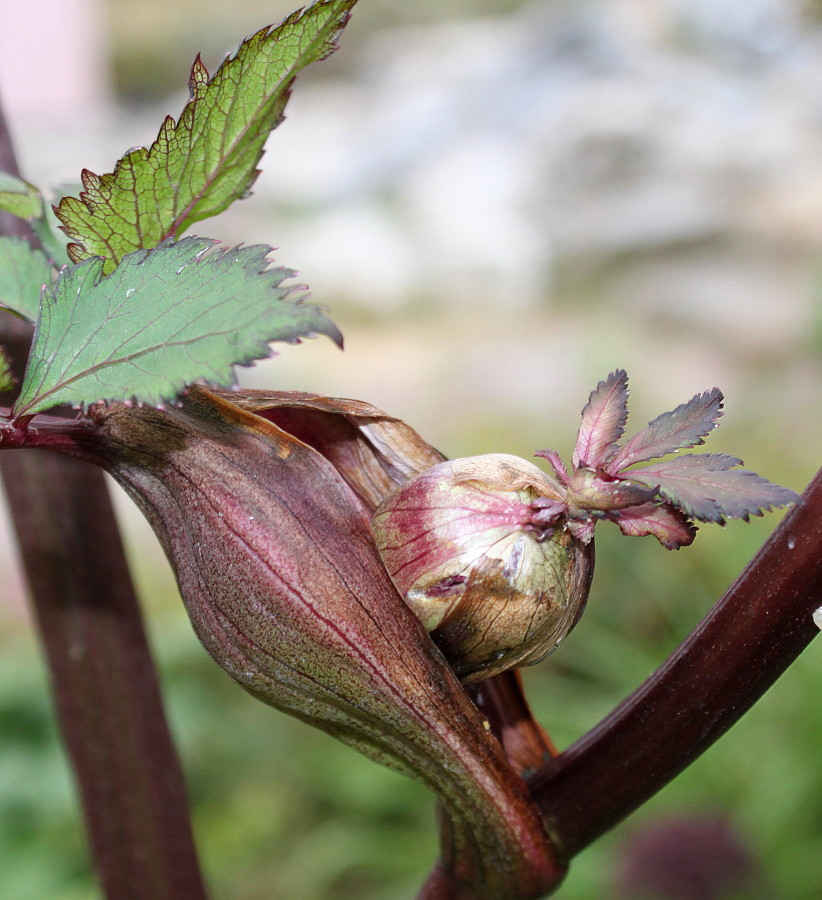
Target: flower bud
x=474 y=547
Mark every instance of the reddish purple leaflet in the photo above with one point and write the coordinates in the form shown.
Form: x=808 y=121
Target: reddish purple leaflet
x=708 y=487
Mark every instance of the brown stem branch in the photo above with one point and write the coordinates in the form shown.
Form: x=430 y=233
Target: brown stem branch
x=758 y=628
x=502 y=701
x=107 y=698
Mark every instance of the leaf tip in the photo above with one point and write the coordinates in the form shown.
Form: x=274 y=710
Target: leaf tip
x=335 y=334
x=198 y=78
x=76 y=252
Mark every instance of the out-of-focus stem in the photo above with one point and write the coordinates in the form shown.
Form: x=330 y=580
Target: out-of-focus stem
x=106 y=694
x=758 y=628
x=502 y=701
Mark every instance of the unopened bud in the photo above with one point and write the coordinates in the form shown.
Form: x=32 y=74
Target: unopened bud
x=475 y=548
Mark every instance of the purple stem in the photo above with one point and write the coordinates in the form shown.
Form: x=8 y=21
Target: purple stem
x=758 y=628
x=106 y=694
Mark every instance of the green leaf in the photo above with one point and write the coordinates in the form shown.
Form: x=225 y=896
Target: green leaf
x=685 y=426
x=603 y=421
x=23 y=272
x=162 y=319
x=710 y=487
x=199 y=165
x=19 y=197
x=6 y=375
x=668 y=524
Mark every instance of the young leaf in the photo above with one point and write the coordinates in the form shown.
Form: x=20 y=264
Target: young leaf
x=19 y=198
x=708 y=487
x=588 y=491
x=6 y=375
x=556 y=464
x=668 y=525
x=199 y=165
x=683 y=427
x=164 y=318
x=23 y=272
x=603 y=420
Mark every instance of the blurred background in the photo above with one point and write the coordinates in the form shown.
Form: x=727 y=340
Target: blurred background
x=500 y=202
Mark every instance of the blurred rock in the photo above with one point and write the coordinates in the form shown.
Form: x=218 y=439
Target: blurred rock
x=507 y=161
x=504 y=160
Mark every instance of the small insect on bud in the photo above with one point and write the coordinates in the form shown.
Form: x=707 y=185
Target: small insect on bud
x=476 y=549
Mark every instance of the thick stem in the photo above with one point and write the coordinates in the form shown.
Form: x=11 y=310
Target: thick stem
x=107 y=698
x=758 y=628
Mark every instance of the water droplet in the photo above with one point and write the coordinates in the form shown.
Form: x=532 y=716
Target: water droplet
x=184 y=266
x=791 y=543
x=817 y=617
x=129 y=292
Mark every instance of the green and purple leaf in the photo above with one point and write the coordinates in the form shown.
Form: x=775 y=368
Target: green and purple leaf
x=164 y=318
x=710 y=488
x=23 y=272
x=685 y=426
x=556 y=464
x=588 y=491
x=603 y=421
x=660 y=499
x=668 y=525
x=206 y=160
x=582 y=529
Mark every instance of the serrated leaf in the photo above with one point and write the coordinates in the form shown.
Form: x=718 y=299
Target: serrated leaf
x=556 y=464
x=162 y=319
x=6 y=374
x=668 y=525
x=709 y=487
x=683 y=427
x=23 y=272
x=582 y=529
x=603 y=420
x=199 y=165
x=19 y=198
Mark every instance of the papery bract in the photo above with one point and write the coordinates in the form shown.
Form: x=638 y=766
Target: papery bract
x=279 y=573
